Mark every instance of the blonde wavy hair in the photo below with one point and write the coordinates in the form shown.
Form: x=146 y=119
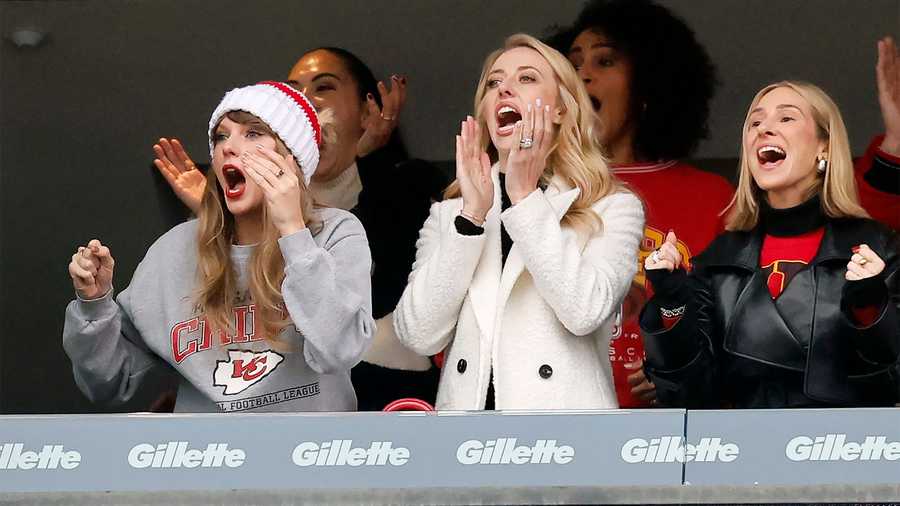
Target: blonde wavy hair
x=837 y=186
x=576 y=154
x=217 y=278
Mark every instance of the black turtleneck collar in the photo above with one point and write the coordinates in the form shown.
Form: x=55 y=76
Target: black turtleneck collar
x=792 y=221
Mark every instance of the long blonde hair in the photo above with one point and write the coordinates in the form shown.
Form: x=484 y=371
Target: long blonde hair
x=837 y=187
x=576 y=154
x=217 y=279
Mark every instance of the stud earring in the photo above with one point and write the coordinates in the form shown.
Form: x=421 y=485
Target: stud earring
x=822 y=166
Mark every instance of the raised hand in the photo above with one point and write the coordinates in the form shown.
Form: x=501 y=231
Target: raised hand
x=888 y=76
x=91 y=270
x=526 y=164
x=180 y=172
x=864 y=263
x=279 y=178
x=666 y=257
x=379 y=124
x=473 y=171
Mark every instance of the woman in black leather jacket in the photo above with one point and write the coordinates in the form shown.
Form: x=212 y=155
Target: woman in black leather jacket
x=796 y=305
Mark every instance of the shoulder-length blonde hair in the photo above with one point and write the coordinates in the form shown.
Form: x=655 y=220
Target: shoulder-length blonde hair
x=837 y=186
x=217 y=278
x=576 y=154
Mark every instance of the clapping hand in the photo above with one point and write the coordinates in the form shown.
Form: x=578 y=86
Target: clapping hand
x=528 y=157
x=473 y=172
x=180 y=172
x=379 y=124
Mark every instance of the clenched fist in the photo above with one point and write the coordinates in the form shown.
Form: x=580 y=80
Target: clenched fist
x=91 y=270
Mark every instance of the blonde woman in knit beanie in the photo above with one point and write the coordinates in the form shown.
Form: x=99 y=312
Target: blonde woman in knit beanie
x=359 y=170
x=260 y=304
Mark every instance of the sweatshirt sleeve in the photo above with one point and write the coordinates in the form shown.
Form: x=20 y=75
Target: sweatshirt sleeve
x=584 y=286
x=445 y=264
x=327 y=292
x=109 y=357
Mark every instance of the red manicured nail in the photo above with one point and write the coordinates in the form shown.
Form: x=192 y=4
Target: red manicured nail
x=855 y=249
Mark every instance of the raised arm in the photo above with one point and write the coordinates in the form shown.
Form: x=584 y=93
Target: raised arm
x=583 y=285
x=109 y=358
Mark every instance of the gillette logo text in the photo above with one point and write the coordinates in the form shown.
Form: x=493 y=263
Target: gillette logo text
x=506 y=451
x=50 y=457
x=835 y=447
x=672 y=449
x=177 y=454
x=340 y=452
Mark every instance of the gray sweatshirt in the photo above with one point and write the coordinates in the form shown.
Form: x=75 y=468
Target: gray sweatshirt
x=153 y=322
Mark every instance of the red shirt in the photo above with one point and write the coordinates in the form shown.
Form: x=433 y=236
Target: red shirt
x=676 y=197
x=783 y=257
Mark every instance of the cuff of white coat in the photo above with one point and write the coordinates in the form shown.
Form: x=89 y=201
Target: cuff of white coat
x=296 y=246
x=521 y=218
x=96 y=309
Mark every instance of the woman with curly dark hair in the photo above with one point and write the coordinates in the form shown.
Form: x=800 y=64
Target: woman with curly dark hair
x=650 y=82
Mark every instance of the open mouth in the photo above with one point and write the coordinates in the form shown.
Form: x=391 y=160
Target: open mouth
x=595 y=102
x=235 y=181
x=770 y=156
x=507 y=117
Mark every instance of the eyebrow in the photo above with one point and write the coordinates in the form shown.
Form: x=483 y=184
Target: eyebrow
x=523 y=67
x=296 y=84
x=323 y=75
x=780 y=107
x=596 y=45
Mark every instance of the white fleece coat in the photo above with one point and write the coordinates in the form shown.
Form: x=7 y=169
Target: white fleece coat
x=543 y=320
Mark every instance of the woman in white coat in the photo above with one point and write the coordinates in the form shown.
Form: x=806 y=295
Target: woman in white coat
x=520 y=271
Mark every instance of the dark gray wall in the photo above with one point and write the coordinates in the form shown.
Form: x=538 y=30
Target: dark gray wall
x=78 y=114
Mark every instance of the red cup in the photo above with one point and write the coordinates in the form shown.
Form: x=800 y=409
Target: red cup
x=408 y=404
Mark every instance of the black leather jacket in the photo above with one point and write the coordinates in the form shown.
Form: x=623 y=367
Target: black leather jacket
x=737 y=347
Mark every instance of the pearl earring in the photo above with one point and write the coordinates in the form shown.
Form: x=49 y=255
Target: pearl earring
x=822 y=166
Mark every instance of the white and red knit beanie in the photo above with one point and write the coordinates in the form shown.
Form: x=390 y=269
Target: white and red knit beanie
x=285 y=110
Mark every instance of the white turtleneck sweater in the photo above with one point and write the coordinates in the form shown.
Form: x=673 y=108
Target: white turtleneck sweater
x=342 y=192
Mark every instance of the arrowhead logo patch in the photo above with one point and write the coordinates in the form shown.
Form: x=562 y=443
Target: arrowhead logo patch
x=244 y=369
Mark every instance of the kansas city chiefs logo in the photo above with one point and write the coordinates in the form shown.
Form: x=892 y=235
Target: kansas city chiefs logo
x=243 y=369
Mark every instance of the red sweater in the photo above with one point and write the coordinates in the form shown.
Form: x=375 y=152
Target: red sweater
x=676 y=197
x=882 y=206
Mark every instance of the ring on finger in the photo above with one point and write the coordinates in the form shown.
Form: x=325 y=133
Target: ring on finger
x=862 y=261
x=526 y=142
x=387 y=118
x=280 y=173
x=528 y=134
